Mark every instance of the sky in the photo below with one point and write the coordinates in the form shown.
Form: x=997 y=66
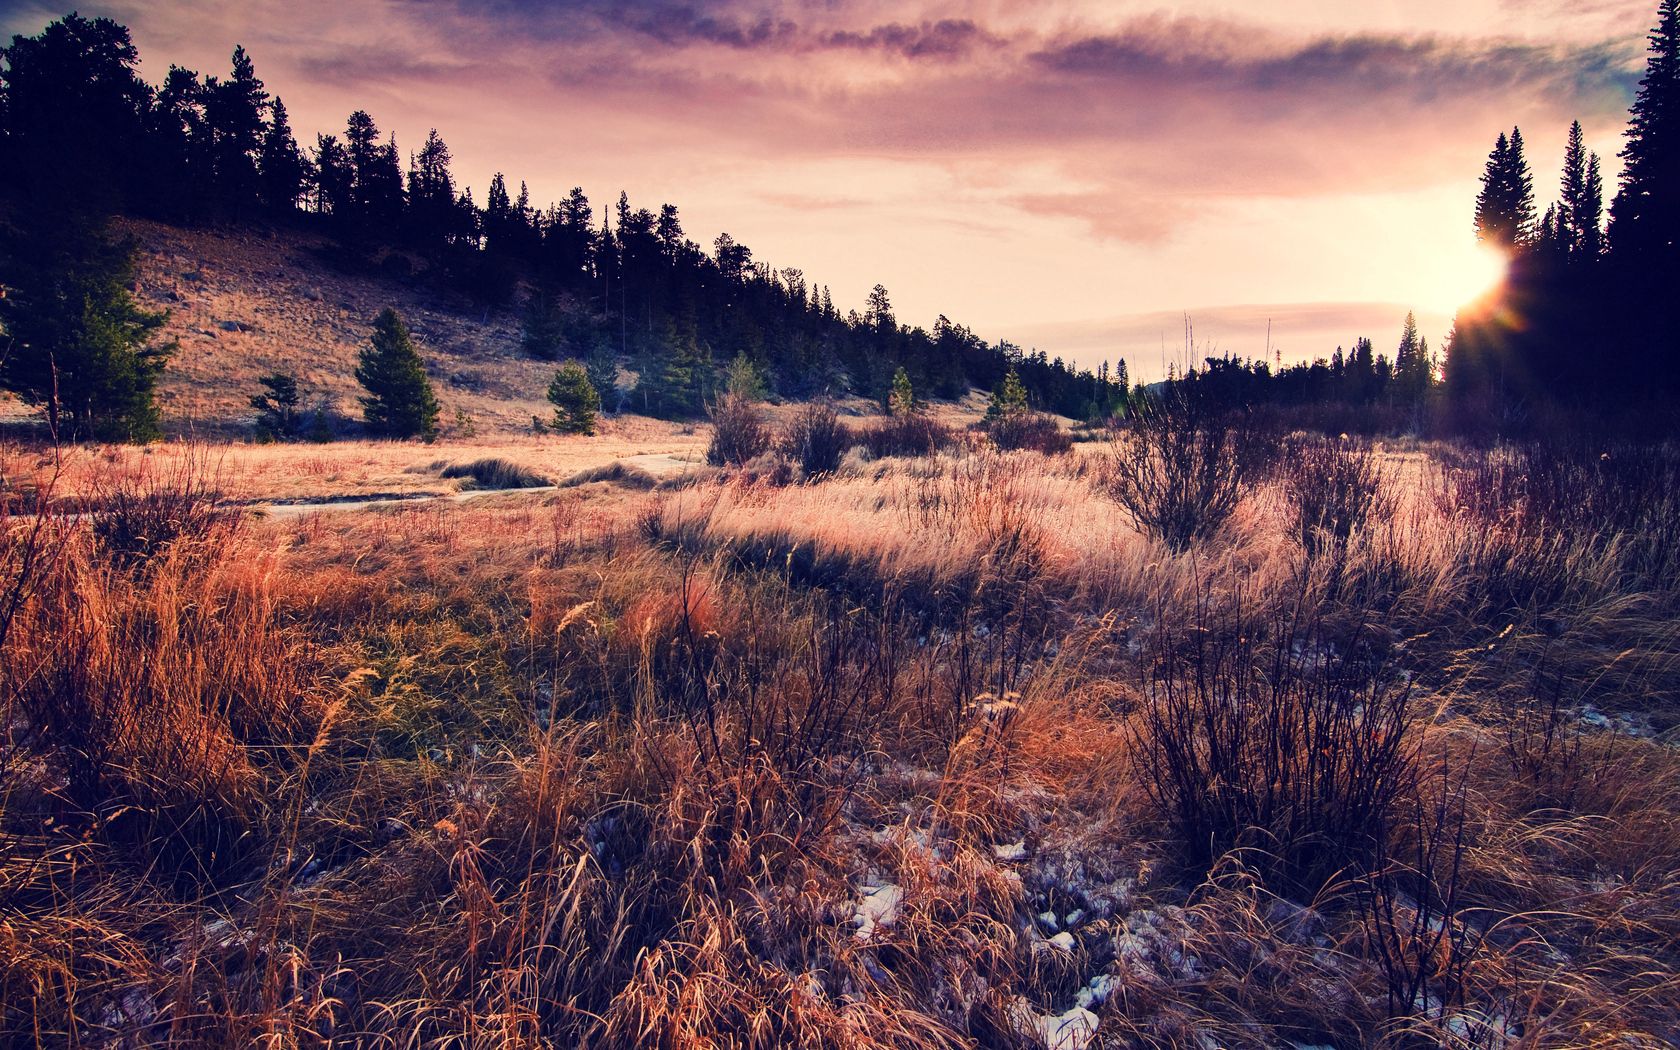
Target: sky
x=1076 y=177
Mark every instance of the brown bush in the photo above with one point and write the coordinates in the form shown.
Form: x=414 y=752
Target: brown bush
x=816 y=439
x=739 y=433
x=1335 y=488
x=1037 y=431
x=136 y=514
x=1271 y=735
x=1181 y=466
x=907 y=434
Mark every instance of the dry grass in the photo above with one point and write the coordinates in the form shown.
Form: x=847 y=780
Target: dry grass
x=861 y=762
x=248 y=474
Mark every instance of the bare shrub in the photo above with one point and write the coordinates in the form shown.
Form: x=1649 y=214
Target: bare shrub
x=1415 y=929
x=1037 y=431
x=1267 y=734
x=1335 y=487
x=739 y=433
x=816 y=439
x=494 y=472
x=1182 y=466
x=907 y=434
x=138 y=514
x=1626 y=497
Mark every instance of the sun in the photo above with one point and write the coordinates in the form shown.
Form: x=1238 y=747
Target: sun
x=1466 y=277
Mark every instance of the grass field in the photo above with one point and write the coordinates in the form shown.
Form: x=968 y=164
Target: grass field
x=943 y=751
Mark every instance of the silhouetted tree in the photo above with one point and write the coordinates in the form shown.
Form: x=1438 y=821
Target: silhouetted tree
x=433 y=218
x=280 y=165
x=1580 y=208
x=1505 y=206
x=335 y=180
x=234 y=114
x=73 y=115
x=1645 y=216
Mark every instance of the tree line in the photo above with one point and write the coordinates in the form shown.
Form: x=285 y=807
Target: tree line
x=1578 y=337
x=88 y=138
x=1582 y=332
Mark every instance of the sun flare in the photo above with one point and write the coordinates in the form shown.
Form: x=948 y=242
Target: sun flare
x=1468 y=276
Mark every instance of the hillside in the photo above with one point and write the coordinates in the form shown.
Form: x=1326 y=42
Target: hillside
x=245 y=302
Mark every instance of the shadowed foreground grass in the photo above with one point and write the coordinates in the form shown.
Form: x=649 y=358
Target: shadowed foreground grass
x=931 y=752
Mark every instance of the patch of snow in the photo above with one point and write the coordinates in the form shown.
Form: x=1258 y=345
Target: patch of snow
x=1624 y=723
x=1063 y=940
x=1010 y=851
x=1073 y=1030
x=1048 y=918
x=1097 y=992
x=878 y=907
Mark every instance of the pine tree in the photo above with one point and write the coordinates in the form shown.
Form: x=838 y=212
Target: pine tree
x=80 y=345
x=335 y=180
x=1573 y=189
x=281 y=166
x=543 y=332
x=1009 y=399
x=431 y=196
x=879 y=314
x=234 y=112
x=498 y=217
x=399 y=401
x=902 y=400
x=1579 y=213
x=73 y=107
x=602 y=366
x=277 y=407
x=177 y=160
x=1590 y=212
x=1411 y=362
x=1505 y=206
x=1645 y=216
x=576 y=401
x=1490 y=202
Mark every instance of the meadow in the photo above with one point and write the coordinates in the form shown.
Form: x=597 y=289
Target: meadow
x=975 y=748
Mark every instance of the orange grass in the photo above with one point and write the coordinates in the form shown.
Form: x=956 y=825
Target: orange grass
x=611 y=767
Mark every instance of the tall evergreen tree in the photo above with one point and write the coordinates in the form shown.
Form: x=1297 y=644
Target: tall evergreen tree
x=277 y=407
x=177 y=162
x=1589 y=213
x=79 y=344
x=335 y=180
x=576 y=401
x=1645 y=216
x=433 y=220
x=281 y=166
x=1505 y=206
x=234 y=112
x=73 y=115
x=399 y=401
